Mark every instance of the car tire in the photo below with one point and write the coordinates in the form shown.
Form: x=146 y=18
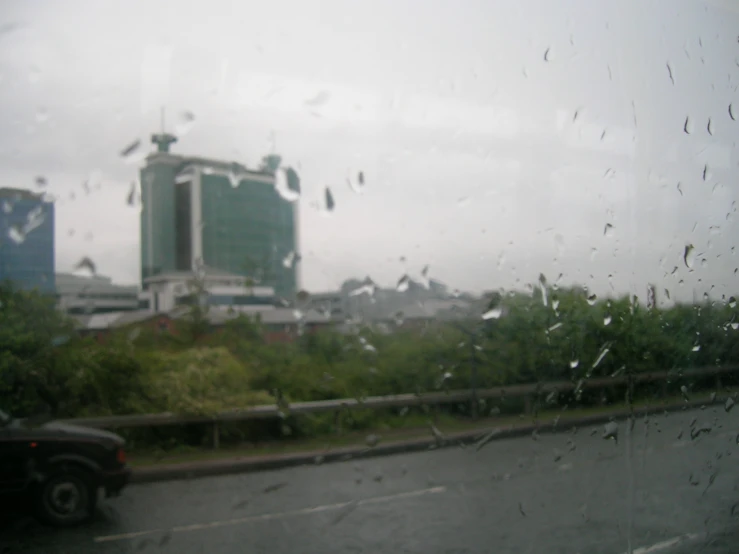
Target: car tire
x=67 y=497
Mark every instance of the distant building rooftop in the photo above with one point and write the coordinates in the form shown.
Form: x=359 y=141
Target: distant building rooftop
x=19 y=194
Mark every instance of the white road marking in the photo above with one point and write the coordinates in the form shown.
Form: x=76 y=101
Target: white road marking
x=267 y=517
x=658 y=547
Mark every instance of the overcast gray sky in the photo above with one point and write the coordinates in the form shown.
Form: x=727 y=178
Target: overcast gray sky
x=497 y=139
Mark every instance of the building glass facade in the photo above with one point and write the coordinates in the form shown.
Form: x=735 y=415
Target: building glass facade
x=191 y=212
x=248 y=230
x=26 y=240
x=158 y=237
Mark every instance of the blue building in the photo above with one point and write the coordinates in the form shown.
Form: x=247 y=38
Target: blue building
x=26 y=240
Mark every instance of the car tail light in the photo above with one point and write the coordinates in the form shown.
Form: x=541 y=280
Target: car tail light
x=121 y=456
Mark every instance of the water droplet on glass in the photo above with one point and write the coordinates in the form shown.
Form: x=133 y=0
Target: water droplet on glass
x=329 y=198
x=234 y=176
x=356 y=184
x=287 y=184
x=732 y=302
x=592 y=299
x=555 y=327
x=494 y=313
x=185 y=123
x=608 y=230
x=689 y=256
x=735 y=326
x=290 y=260
x=131 y=198
x=557 y=454
x=610 y=431
x=16 y=234
x=729 y=404
x=687 y=127
x=574 y=363
x=696 y=348
x=41 y=181
x=607 y=320
x=369 y=288
x=319 y=99
x=547 y=55
x=684 y=392
x=708 y=127
x=403 y=283
x=372 y=440
x=555 y=304
x=86 y=267
x=731 y=112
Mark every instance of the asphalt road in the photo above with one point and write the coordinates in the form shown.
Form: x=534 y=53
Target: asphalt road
x=661 y=491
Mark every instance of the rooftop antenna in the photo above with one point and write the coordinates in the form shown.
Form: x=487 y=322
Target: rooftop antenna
x=163 y=139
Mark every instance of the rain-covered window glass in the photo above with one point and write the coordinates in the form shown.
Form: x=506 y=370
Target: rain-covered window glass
x=328 y=276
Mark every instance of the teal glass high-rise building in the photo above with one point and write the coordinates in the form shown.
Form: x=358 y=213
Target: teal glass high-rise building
x=221 y=214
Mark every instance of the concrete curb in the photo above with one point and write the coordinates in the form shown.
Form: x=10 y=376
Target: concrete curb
x=262 y=463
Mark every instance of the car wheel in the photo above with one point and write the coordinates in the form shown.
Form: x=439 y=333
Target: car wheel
x=66 y=498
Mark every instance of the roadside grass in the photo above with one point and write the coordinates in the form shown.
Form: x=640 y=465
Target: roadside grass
x=412 y=426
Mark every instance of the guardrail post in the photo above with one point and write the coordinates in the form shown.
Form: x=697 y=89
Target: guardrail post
x=528 y=404
x=216 y=436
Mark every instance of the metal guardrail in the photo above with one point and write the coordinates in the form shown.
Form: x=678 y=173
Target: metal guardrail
x=272 y=411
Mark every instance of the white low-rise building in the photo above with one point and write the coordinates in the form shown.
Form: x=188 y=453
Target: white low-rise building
x=166 y=291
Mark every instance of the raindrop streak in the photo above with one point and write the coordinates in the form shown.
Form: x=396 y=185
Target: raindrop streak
x=708 y=127
x=689 y=256
x=680 y=190
x=731 y=112
x=687 y=128
x=543 y=286
x=329 y=200
x=669 y=72
x=546 y=55
x=604 y=350
x=495 y=313
x=608 y=230
x=705 y=172
x=131 y=199
x=130 y=149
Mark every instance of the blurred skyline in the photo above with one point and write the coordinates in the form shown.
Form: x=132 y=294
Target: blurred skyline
x=497 y=141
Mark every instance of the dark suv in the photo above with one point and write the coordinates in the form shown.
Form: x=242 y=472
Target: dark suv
x=59 y=468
